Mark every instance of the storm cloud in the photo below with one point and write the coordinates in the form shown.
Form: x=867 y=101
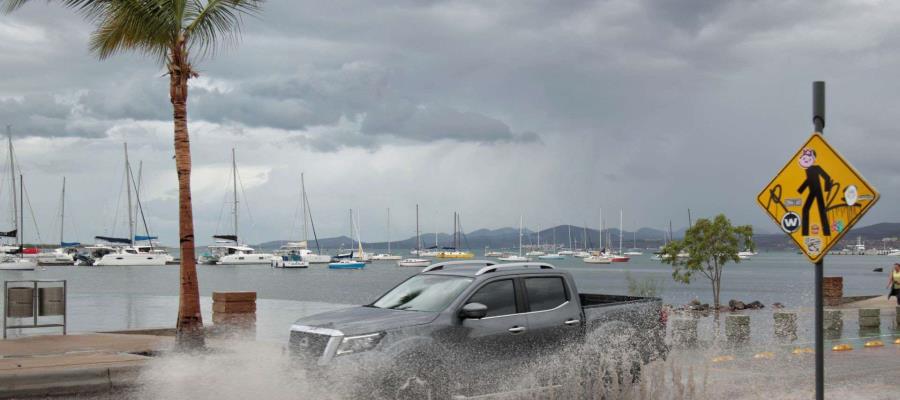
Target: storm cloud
x=558 y=108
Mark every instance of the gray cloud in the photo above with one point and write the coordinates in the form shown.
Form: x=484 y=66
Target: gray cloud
x=652 y=106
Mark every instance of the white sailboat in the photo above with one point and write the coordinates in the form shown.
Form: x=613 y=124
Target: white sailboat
x=65 y=253
x=16 y=262
x=387 y=256
x=114 y=251
x=599 y=257
x=298 y=254
x=568 y=251
x=535 y=253
x=516 y=257
x=228 y=250
x=619 y=257
x=415 y=262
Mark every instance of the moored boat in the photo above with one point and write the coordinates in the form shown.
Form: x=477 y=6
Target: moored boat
x=347 y=264
x=552 y=256
x=414 y=262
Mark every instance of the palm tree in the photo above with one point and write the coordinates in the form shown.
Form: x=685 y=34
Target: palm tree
x=173 y=32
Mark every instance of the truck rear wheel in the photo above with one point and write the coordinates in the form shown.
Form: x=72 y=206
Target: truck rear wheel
x=612 y=361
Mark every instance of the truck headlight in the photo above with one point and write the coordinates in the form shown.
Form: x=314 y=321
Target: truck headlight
x=355 y=344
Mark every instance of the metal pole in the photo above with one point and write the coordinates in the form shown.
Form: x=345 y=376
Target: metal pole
x=819 y=122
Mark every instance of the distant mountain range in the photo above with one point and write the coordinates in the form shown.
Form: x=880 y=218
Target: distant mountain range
x=508 y=238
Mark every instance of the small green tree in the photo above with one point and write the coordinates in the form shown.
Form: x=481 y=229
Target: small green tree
x=706 y=248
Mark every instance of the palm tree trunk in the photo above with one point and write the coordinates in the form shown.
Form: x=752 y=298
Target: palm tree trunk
x=189 y=328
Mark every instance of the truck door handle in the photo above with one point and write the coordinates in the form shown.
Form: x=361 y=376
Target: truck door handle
x=572 y=322
x=516 y=329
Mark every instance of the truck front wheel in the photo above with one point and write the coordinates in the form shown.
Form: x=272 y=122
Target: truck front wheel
x=417 y=378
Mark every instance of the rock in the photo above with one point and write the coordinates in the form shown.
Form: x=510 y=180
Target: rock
x=777 y=305
x=879 y=269
x=695 y=302
x=724 y=309
x=736 y=305
x=756 y=305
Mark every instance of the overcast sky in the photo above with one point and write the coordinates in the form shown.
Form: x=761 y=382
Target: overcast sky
x=550 y=110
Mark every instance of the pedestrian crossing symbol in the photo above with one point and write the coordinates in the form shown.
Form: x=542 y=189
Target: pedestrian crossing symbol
x=817 y=197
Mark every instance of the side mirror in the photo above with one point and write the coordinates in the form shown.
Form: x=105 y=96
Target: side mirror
x=473 y=311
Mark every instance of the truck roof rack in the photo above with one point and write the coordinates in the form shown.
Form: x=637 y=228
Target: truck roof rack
x=441 y=265
x=523 y=265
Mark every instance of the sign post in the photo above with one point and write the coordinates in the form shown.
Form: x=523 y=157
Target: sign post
x=816 y=198
x=819 y=124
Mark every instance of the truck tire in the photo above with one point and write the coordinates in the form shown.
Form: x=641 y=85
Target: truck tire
x=417 y=377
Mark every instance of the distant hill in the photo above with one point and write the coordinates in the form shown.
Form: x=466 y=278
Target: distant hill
x=508 y=238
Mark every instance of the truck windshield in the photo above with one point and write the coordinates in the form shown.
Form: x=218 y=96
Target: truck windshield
x=430 y=293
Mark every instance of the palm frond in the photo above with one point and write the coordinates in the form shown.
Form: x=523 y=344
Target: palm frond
x=84 y=6
x=145 y=26
x=215 y=23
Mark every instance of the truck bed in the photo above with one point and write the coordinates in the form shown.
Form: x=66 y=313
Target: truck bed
x=590 y=300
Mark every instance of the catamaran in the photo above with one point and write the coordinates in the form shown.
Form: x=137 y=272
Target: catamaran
x=227 y=249
x=118 y=251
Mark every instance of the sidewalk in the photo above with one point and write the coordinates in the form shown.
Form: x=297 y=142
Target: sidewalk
x=888 y=306
x=53 y=365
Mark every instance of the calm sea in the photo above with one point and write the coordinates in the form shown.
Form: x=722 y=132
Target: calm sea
x=768 y=277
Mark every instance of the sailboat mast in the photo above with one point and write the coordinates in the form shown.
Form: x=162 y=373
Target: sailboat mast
x=601 y=230
x=62 y=212
x=570 y=238
x=21 y=215
x=12 y=174
x=235 y=194
x=358 y=235
x=418 y=238
x=389 y=230
x=303 y=208
x=620 y=231
x=520 y=236
x=128 y=189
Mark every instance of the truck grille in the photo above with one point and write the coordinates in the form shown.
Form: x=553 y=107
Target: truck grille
x=307 y=345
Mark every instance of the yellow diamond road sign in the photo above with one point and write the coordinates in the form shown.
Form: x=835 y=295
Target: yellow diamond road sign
x=817 y=197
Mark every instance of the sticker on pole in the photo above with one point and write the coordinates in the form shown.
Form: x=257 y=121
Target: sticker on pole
x=817 y=197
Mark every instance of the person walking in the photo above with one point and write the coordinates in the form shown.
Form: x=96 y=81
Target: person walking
x=894 y=283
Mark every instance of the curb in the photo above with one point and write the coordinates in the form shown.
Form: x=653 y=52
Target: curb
x=67 y=381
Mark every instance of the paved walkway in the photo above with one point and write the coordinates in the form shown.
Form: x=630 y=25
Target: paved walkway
x=47 y=365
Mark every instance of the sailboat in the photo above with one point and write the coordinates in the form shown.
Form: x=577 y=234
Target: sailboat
x=536 y=252
x=387 y=256
x=298 y=254
x=415 y=262
x=516 y=257
x=117 y=251
x=15 y=261
x=634 y=251
x=599 y=257
x=553 y=256
x=454 y=252
x=492 y=253
x=349 y=263
x=619 y=257
x=569 y=251
x=228 y=250
x=65 y=253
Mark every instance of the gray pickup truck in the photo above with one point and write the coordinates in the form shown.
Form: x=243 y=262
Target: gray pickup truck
x=464 y=326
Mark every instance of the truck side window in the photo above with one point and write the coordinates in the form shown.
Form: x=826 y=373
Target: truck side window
x=545 y=293
x=498 y=296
